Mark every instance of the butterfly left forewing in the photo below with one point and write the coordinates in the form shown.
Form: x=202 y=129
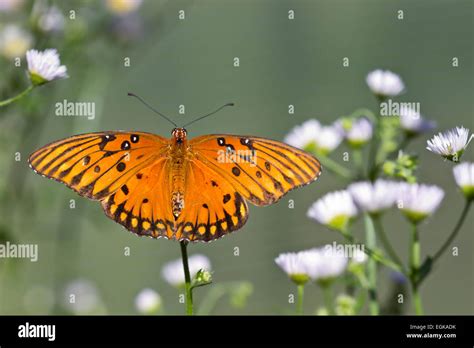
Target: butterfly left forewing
x=261 y=170
x=97 y=164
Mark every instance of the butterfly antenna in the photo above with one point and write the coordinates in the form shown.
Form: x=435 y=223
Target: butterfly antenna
x=209 y=114
x=152 y=108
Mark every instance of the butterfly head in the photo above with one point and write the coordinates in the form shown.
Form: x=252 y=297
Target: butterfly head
x=179 y=135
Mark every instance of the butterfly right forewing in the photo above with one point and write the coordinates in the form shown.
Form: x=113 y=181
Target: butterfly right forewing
x=261 y=170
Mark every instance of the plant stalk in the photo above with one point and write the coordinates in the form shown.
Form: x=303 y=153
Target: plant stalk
x=187 y=278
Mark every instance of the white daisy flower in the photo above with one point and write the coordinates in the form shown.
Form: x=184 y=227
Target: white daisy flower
x=122 y=7
x=334 y=210
x=357 y=132
x=304 y=135
x=312 y=136
x=374 y=197
x=464 y=176
x=148 y=301
x=173 y=272
x=295 y=265
x=14 y=41
x=45 y=66
x=418 y=201
x=413 y=122
x=82 y=297
x=52 y=20
x=450 y=144
x=325 y=263
x=385 y=83
x=328 y=139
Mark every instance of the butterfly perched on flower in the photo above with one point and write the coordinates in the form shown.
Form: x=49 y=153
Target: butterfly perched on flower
x=177 y=188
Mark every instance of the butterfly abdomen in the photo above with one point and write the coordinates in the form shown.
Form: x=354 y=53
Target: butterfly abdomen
x=178 y=182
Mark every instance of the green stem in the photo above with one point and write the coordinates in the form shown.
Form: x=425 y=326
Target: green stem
x=386 y=242
x=17 y=97
x=453 y=234
x=417 y=302
x=187 y=278
x=371 y=162
x=371 y=253
x=299 y=303
x=357 y=153
x=3 y=283
x=360 y=302
x=403 y=144
x=328 y=302
x=401 y=147
x=363 y=280
x=365 y=113
x=415 y=259
x=210 y=301
x=371 y=265
x=335 y=167
x=374 y=144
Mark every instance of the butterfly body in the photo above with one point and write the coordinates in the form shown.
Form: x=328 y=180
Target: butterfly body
x=176 y=188
x=179 y=159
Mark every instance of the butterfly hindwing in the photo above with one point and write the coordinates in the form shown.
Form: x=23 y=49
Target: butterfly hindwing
x=212 y=208
x=97 y=164
x=261 y=170
x=142 y=204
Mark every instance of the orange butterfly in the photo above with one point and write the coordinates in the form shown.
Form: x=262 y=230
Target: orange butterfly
x=193 y=190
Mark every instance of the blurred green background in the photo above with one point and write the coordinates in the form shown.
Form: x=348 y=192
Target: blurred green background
x=190 y=62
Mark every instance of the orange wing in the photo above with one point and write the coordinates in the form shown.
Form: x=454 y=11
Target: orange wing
x=212 y=206
x=143 y=204
x=97 y=164
x=261 y=170
x=126 y=171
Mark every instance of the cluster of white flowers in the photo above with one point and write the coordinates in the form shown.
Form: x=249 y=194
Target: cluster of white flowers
x=417 y=201
x=317 y=264
x=43 y=66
